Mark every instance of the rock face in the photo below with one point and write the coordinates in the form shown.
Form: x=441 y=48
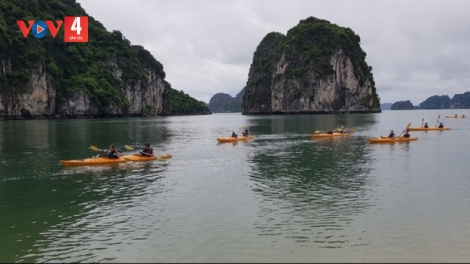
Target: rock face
x=37 y=96
x=318 y=67
x=107 y=76
x=402 y=105
x=217 y=102
x=460 y=101
x=224 y=103
x=436 y=102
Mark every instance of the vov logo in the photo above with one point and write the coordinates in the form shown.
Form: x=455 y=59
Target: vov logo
x=75 y=28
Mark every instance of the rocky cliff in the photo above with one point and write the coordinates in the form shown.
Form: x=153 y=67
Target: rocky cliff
x=436 y=102
x=460 y=101
x=318 y=67
x=402 y=105
x=49 y=78
x=224 y=103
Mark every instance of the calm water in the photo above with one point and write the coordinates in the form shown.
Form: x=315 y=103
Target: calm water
x=282 y=197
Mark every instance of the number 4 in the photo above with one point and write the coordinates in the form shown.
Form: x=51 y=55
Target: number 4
x=76 y=25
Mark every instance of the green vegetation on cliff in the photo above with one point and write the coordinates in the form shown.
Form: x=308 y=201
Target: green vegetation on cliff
x=73 y=66
x=436 y=102
x=402 y=105
x=89 y=67
x=224 y=103
x=178 y=103
x=316 y=40
x=286 y=70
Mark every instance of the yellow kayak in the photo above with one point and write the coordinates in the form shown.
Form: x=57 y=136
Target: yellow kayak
x=93 y=161
x=138 y=157
x=232 y=139
x=462 y=116
x=382 y=139
x=108 y=161
x=326 y=135
x=429 y=128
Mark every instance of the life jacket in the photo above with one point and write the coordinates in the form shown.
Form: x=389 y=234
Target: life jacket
x=112 y=155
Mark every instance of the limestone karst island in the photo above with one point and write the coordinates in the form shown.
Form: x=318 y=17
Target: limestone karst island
x=317 y=68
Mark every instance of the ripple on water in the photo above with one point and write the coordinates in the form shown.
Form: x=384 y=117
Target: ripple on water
x=309 y=194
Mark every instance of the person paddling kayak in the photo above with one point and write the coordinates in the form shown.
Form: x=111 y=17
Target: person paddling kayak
x=426 y=125
x=147 y=151
x=113 y=153
x=392 y=134
x=441 y=125
x=245 y=133
x=407 y=134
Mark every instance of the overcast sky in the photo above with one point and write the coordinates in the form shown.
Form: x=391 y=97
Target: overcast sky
x=416 y=48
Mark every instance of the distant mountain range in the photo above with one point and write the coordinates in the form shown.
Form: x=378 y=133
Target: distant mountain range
x=458 y=101
x=224 y=103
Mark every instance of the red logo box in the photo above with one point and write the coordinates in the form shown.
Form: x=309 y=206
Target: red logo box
x=76 y=29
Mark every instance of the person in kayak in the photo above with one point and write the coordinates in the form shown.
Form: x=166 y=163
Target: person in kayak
x=113 y=153
x=407 y=134
x=441 y=125
x=343 y=130
x=234 y=135
x=329 y=131
x=245 y=133
x=147 y=151
x=392 y=134
x=426 y=125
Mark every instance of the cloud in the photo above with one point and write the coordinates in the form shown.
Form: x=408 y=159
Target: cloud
x=416 y=48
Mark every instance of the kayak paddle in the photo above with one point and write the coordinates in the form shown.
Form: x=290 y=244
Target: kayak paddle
x=422 y=121
x=439 y=116
x=128 y=147
x=408 y=126
x=95 y=148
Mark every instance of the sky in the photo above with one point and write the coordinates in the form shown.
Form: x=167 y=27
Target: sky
x=416 y=48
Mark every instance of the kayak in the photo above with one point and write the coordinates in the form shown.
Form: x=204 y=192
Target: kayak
x=456 y=116
x=326 y=135
x=382 y=139
x=429 y=128
x=93 y=161
x=138 y=157
x=108 y=161
x=232 y=139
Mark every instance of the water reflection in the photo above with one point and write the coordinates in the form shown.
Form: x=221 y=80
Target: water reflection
x=309 y=190
x=233 y=143
x=104 y=205
x=45 y=206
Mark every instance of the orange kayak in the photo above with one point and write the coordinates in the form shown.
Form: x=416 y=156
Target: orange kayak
x=108 y=161
x=93 y=161
x=428 y=129
x=462 y=116
x=326 y=135
x=138 y=157
x=382 y=139
x=232 y=139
